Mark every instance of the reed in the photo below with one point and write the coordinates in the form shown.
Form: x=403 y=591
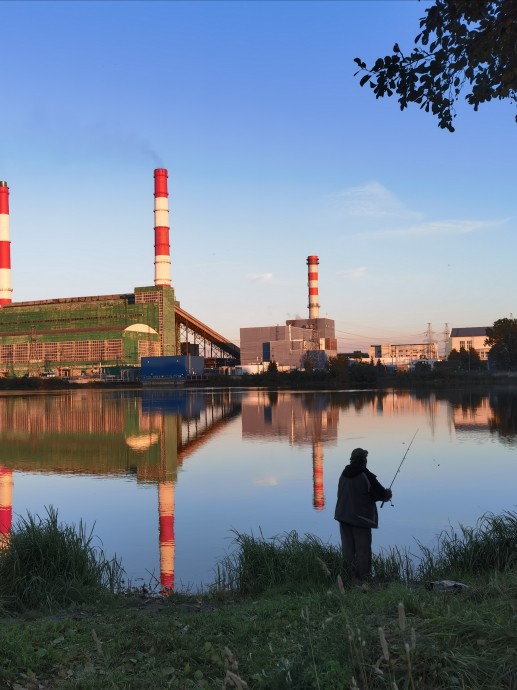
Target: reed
x=257 y=564
x=491 y=545
x=288 y=561
x=46 y=564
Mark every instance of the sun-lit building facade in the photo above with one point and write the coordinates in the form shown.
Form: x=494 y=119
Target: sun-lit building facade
x=472 y=338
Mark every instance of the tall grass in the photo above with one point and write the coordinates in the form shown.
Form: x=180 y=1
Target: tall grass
x=490 y=545
x=46 y=564
x=287 y=561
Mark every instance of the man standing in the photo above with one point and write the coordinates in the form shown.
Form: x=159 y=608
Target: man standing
x=356 y=512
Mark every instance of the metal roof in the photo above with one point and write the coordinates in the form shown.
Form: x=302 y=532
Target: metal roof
x=473 y=331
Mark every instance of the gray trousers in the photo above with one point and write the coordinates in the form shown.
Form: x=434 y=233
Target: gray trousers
x=356 y=543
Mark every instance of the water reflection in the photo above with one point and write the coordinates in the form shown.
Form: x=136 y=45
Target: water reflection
x=146 y=437
x=304 y=419
x=6 y=504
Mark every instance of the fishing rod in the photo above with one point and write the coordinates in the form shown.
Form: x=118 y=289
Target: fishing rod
x=401 y=463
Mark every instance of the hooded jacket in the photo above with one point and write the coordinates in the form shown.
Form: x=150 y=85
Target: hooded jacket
x=358 y=490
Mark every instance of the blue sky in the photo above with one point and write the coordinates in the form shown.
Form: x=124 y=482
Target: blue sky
x=274 y=153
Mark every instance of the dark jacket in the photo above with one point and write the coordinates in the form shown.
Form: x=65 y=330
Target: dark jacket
x=357 y=492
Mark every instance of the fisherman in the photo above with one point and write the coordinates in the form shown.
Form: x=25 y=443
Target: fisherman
x=356 y=512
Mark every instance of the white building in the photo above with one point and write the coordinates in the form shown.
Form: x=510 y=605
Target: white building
x=472 y=338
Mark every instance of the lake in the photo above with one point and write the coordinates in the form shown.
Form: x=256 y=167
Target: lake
x=165 y=477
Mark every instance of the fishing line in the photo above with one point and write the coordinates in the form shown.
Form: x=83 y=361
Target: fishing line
x=401 y=463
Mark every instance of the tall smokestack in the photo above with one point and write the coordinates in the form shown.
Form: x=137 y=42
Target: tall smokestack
x=162 y=250
x=314 y=307
x=5 y=247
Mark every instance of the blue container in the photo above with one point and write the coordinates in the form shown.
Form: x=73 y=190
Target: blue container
x=172 y=367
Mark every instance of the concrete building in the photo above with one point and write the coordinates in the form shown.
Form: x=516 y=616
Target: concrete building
x=291 y=345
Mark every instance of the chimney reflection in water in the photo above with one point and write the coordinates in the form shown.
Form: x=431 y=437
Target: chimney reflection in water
x=6 y=505
x=166 y=511
x=318 y=500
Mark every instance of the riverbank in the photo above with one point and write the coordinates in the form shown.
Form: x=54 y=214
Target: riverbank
x=290 y=628
x=359 y=377
x=302 y=639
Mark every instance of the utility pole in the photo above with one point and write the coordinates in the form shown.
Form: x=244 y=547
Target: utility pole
x=429 y=340
x=445 y=339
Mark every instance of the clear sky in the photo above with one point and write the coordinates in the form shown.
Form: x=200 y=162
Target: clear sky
x=274 y=153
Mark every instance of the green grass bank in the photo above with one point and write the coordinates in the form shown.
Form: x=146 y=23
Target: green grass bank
x=282 y=614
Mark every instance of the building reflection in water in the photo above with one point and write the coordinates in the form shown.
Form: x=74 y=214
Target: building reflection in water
x=305 y=419
x=147 y=434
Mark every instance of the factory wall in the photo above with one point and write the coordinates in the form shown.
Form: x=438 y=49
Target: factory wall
x=324 y=328
x=288 y=345
x=323 y=334
x=80 y=334
x=283 y=344
x=403 y=352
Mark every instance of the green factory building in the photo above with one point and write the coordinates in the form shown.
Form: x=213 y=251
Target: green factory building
x=77 y=336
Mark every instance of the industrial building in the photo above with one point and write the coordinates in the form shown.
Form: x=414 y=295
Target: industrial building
x=296 y=343
x=88 y=336
x=404 y=354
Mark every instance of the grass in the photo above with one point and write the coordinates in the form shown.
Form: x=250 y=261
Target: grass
x=291 y=563
x=48 y=565
x=297 y=626
x=286 y=562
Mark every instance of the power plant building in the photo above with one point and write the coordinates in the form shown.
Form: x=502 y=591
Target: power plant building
x=81 y=335
x=300 y=340
x=88 y=336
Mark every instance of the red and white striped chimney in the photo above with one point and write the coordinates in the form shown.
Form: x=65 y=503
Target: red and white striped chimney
x=162 y=250
x=5 y=246
x=314 y=307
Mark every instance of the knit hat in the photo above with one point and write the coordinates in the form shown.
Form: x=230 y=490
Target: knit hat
x=358 y=455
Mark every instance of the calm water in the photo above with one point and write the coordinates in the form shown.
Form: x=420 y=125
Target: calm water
x=164 y=477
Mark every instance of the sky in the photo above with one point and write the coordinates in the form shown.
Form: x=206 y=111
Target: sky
x=274 y=153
